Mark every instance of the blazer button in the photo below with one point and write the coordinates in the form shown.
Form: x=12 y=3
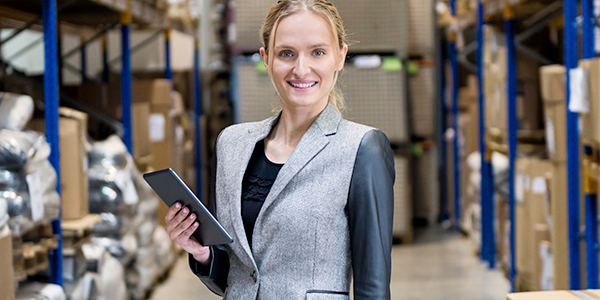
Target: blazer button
x=254 y=276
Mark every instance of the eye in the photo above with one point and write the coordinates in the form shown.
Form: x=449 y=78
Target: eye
x=319 y=52
x=285 y=54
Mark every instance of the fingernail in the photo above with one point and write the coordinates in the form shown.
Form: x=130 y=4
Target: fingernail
x=193 y=216
x=185 y=210
x=177 y=205
x=196 y=224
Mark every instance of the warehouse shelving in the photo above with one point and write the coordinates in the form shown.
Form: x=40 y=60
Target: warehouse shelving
x=533 y=16
x=93 y=13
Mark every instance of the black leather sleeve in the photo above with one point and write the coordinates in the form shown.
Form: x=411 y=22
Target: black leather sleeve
x=370 y=216
x=215 y=275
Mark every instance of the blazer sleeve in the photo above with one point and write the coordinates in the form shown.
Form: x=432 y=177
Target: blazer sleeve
x=370 y=216
x=215 y=275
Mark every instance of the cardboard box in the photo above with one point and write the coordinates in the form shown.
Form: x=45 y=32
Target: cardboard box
x=590 y=122
x=556 y=295
x=541 y=235
x=73 y=169
x=141 y=129
x=552 y=83
x=531 y=191
x=7 y=280
x=155 y=91
x=72 y=127
x=559 y=232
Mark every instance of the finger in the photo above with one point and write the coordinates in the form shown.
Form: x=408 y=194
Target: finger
x=172 y=212
x=187 y=223
x=187 y=234
x=181 y=216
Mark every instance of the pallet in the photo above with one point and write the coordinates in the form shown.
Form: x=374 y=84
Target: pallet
x=77 y=232
x=31 y=258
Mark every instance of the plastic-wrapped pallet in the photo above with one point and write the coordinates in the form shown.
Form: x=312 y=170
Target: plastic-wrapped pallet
x=421 y=27
x=257 y=96
x=402 y=200
x=422 y=100
x=376 y=97
x=373 y=28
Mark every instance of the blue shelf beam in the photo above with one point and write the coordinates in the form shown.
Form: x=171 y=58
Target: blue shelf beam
x=591 y=184
x=51 y=113
x=571 y=57
x=105 y=65
x=443 y=173
x=488 y=244
x=509 y=31
x=83 y=57
x=453 y=55
x=168 y=71
x=198 y=114
x=126 y=81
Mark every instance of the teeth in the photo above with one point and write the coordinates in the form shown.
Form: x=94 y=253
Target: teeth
x=302 y=85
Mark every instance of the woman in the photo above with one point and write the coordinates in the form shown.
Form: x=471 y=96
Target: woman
x=306 y=195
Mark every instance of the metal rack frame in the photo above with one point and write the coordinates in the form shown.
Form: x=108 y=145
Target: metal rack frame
x=514 y=43
x=52 y=95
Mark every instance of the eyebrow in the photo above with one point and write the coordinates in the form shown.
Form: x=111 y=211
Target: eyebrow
x=312 y=46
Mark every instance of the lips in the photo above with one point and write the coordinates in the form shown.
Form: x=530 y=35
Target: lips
x=302 y=85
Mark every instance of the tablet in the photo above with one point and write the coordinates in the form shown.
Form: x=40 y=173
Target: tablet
x=171 y=189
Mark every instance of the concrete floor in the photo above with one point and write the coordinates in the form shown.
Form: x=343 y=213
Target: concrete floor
x=439 y=265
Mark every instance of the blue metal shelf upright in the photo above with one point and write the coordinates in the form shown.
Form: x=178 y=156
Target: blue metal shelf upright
x=488 y=243
x=591 y=188
x=571 y=56
x=51 y=93
x=453 y=56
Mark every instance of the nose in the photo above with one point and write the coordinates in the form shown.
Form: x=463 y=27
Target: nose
x=301 y=68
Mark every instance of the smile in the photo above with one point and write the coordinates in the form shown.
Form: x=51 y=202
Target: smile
x=302 y=85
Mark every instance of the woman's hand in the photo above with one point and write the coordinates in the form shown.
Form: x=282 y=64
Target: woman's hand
x=180 y=227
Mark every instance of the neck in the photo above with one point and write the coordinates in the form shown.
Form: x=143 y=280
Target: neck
x=294 y=122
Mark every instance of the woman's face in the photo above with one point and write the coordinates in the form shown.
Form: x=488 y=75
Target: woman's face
x=304 y=62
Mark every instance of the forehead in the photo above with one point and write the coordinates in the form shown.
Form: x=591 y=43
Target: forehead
x=304 y=29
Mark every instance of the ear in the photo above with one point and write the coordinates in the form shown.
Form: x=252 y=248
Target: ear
x=263 y=55
x=343 y=53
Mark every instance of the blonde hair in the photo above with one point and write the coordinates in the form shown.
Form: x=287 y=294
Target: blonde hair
x=323 y=8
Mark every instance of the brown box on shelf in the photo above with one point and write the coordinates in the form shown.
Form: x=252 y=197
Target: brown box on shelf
x=555 y=295
x=73 y=167
x=560 y=234
x=7 y=280
x=72 y=127
x=141 y=132
x=73 y=163
x=552 y=83
x=531 y=192
x=552 y=80
x=590 y=122
x=541 y=235
x=156 y=91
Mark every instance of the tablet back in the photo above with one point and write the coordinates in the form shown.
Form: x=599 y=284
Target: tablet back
x=170 y=188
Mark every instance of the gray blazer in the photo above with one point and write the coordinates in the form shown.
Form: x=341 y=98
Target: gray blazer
x=329 y=212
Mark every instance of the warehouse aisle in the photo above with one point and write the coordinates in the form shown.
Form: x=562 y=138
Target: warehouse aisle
x=440 y=265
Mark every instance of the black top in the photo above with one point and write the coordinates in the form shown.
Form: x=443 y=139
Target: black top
x=258 y=179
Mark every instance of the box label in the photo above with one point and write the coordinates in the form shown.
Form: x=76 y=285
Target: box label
x=157 y=127
x=538 y=185
x=36 y=196
x=579 y=89
x=550 y=136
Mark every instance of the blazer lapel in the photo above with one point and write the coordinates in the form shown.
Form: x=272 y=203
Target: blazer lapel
x=312 y=142
x=244 y=149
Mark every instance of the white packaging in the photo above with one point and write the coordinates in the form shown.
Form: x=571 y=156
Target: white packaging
x=15 y=111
